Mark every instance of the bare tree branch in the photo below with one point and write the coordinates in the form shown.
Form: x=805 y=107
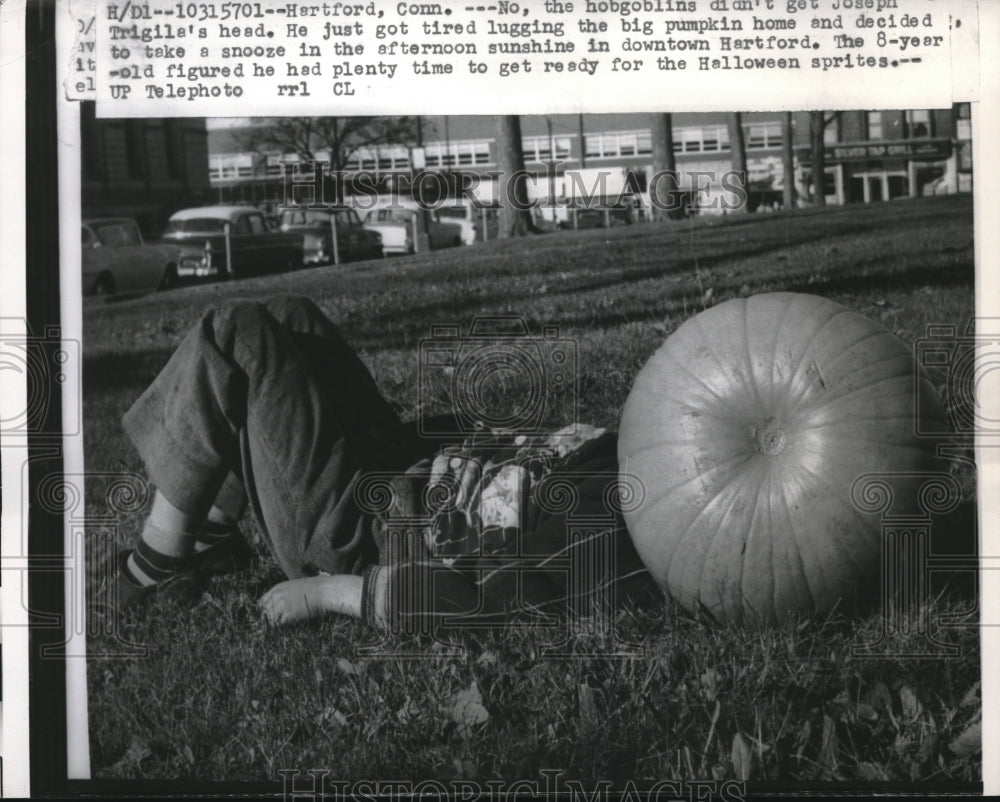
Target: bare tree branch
x=341 y=137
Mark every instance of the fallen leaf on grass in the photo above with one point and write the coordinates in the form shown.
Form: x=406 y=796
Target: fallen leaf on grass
x=971 y=696
x=464 y=769
x=928 y=744
x=138 y=750
x=828 y=749
x=346 y=666
x=589 y=719
x=911 y=705
x=968 y=742
x=409 y=710
x=467 y=709
x=742 y=757
x=803 y=739
x=710 y=684
x=871 y=772
x=331 y=716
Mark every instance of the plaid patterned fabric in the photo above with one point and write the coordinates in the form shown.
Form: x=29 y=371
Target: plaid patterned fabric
x=481 y=493
x=475 y=501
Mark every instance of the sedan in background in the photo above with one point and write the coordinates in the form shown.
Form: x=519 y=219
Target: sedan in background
x=231 y=242
x=116 y=259
x=470 y=219
x=396 y=223
x=322 y=229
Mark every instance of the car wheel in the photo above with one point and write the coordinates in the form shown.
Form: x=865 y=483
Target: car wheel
x=105 y=284
x=169 y=280
x=456 y=242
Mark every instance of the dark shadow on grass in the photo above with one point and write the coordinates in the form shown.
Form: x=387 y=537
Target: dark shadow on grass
x=912 y=279
x=682 y=263
x=133 y=371
x=908 y=280
x=400 y=332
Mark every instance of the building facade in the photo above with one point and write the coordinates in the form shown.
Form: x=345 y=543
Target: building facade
x=868 y=155
x=883 y=155
x=142 y=168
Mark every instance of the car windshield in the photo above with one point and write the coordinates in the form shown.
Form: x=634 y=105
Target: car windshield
x=115 y=235
x=195 y=225
x=305 y=217
x=390 y=216
x=345 y=218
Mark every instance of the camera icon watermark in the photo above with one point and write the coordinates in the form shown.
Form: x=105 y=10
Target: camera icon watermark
x=87 y=561
x=49 y=363
x=906 y=504
x=500 y=377
x=966 y=366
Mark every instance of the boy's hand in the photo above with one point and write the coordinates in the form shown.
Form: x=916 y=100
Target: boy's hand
x=310 y=597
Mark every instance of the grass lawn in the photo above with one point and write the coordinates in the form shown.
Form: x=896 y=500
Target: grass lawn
x=216 y=694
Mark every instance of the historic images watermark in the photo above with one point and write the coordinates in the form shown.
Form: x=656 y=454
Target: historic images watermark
x=317 y=785
x=961 y=368
x=312 y=184
x=511 y=414
x=500 y=376
x=50 y=364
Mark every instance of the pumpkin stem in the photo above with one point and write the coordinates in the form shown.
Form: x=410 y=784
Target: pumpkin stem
x=770 y=439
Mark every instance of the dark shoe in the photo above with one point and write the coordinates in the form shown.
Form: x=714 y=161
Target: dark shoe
x=226 y=556
x=183 y=589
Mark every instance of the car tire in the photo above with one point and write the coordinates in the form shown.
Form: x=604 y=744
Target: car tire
x=169 y=279
x=105 y=284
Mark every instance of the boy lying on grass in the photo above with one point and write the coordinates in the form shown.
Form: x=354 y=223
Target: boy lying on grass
x=265 y=404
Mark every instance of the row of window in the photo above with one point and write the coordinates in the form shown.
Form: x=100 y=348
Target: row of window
x=476 y=153
x=693 y=139
x=140 y=137
x=917 y=124
x=470 y=153
x=539 y=149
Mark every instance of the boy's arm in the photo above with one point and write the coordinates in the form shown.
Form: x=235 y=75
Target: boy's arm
x=313 y=596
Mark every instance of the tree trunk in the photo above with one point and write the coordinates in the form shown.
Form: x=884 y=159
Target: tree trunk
x=337 y=164
x=664 y=197
x=817 y=157
x=787 y=162
x=512 y=190
x=738 y=148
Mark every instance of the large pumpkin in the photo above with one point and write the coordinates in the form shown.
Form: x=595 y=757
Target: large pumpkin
x=747 y=430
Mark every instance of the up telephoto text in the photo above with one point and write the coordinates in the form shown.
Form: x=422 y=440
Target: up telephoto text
x=209 y=48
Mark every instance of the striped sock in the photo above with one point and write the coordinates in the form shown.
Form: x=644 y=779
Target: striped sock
x=147 y=566
x=211 y=533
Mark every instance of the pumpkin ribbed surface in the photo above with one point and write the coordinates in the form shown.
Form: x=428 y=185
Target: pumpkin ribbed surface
x=747 y=429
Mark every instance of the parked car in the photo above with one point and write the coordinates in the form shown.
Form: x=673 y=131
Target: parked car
x=470 y=219
x=230 y=241
x=317 y=226
x=394 y=222
x=599 y=217
x=116 y=259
